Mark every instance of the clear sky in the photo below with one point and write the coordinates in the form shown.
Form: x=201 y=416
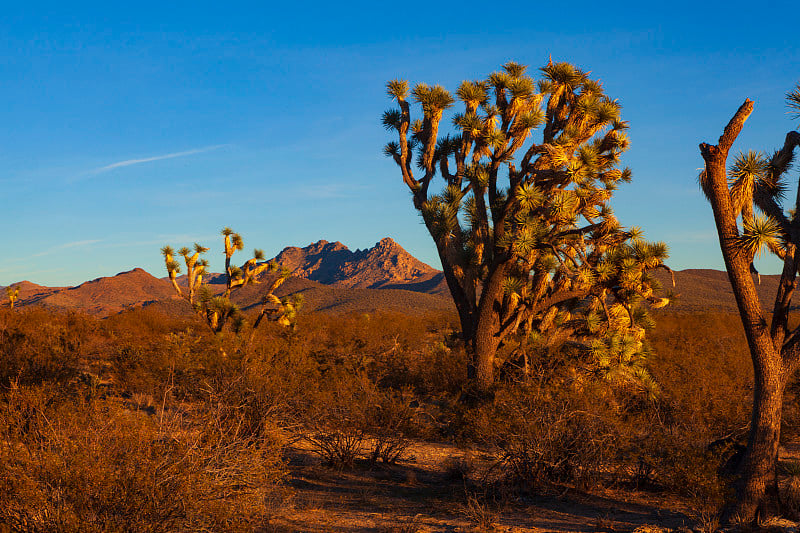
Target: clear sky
x=127 y=126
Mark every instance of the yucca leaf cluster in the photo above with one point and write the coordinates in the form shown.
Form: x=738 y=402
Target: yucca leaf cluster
x=218 y=310
x=523 y=223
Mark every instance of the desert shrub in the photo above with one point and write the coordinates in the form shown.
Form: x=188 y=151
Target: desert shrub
x=703 y=367
x=337 y=446
x=68 y=464
x=37 y=346
x=390 y=419
x=551 y=437
x=352 y=417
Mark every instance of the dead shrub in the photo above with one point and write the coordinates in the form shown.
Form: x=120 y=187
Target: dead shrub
x=351 y=416
x=481 y=512
x=552 y=441
x=337 y=447
x=37 y=346
x=74 y=465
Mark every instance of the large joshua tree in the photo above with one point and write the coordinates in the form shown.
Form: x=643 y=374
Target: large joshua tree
x=756 y=181
x=523 y=229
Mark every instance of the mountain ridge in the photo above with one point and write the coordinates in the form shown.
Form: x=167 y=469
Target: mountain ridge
x=333 y=263
x=330 y=276
x=334 y=278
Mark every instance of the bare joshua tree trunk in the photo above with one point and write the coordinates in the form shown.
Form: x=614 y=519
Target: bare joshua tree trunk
x=773 y=359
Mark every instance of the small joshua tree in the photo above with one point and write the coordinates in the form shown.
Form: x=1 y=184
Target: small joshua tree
x=528 y=242
x=757 y=181
x=219 y=310
x=13 y=295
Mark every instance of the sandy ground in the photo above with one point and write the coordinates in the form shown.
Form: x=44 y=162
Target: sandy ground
x=424 y=492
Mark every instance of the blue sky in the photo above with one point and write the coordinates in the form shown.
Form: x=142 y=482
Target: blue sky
x=127 y=127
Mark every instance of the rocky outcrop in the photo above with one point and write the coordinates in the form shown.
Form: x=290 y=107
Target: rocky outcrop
x=386 y=263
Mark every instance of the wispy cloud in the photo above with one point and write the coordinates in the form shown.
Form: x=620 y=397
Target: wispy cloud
x=67 y=246
x=129 y=162
x=76 y=244
x=180 y=240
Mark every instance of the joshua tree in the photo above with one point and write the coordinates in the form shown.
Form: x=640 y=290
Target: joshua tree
x=195 y=267
x=218 y=310
x=756 y=181
x=537 y=248
x=13 y=294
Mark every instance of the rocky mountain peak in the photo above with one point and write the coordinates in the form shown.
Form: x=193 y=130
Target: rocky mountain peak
x=334 y=263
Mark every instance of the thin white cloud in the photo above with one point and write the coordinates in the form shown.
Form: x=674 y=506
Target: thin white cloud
x=180 y=240
x=76 y=244
x=66 y=246
x=129 y=162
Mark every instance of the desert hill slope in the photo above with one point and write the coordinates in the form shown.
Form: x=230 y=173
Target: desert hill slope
x=710 y=290
x=330 y=276
x=334 y=279
x=106 y=295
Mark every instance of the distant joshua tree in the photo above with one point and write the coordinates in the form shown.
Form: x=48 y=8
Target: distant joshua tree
x=13 y=294
x=219 y=310
x=529 y=245
x=756 y=181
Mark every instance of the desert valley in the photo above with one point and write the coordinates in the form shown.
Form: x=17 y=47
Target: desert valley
x=358 y=419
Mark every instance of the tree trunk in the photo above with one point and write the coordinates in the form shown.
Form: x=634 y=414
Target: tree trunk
x=487 y=328
x=486 y=343
x=757 y=487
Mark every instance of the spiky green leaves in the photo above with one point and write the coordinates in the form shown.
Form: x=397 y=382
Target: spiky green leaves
x=520 y=87
x=793 y=100
x=397 y=89
x=760 y=232
x=441 y=214
x=392 y=149
x=531 y=120
x=564 y=75
x=529 y=197
x=747 y=167
x=621 y=359
x=472 y=93
x=433 y=99
x=470 y=124
x=392 y=119
x=563 y=206
x=514 y=69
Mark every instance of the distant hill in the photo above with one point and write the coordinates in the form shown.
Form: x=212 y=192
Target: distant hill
x=383 y=277
x=103 y=296
x=28 y=290
x=706 y=289
x=334 y=279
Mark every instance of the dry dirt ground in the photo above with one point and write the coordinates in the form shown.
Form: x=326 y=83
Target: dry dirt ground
x=424 y=492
